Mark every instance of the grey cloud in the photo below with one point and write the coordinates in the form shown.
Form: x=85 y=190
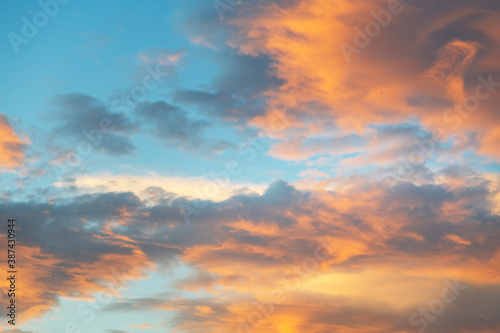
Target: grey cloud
x=237 y=90
x=175 y=128
x=137 y=304
x=79 y=118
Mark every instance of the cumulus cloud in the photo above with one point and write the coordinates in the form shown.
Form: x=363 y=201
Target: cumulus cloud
x=82 y=118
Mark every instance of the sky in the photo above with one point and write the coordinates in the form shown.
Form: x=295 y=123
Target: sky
x=284 y=166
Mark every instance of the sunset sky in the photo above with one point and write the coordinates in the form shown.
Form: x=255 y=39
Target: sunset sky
x=272 y=166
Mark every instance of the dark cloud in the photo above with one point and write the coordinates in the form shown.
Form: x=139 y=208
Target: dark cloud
x=244 y=76
x=237 y=90
x=76 y=222
x=160 y=253
x=175 y=128
x=83 y=118
x=89 y=125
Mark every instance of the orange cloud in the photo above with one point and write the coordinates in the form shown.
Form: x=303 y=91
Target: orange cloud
x=43 y=278
x=415 y=67
x=11 y=146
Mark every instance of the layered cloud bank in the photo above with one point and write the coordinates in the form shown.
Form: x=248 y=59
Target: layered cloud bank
x=364 y=258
